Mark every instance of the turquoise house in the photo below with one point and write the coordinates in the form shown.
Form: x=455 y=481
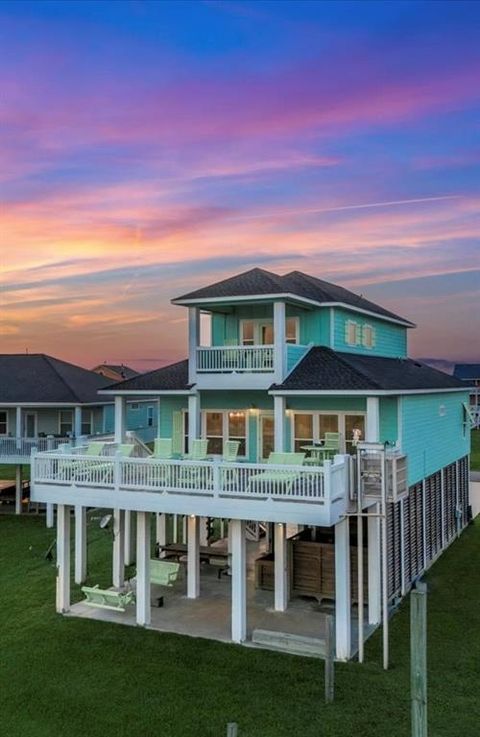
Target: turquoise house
x=281 y=364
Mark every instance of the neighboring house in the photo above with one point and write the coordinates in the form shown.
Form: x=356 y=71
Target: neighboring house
x=141 y=416
x=290 y=359
x=469 y=373
x=115 y=372
x=44 y=402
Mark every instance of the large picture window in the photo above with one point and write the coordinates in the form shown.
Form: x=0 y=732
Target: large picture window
x=303 y=431
x=260 y=332
x=311 y=427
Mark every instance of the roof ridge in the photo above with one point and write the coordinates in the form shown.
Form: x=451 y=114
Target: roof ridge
x=49 y=360
x=145 y=374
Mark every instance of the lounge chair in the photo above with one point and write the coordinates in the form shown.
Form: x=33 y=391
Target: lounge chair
x=93 y=449
x=277 y=481
x=198 y=451
x=230 y=451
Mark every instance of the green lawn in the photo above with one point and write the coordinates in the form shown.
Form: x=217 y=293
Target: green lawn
x=70 y=678
x=475 y=457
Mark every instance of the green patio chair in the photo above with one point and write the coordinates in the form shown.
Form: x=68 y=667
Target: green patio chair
x=189 y=475
x=93 y=449
x=198 y=451
x=162 y=449
x=277 y=479
x=230 y=451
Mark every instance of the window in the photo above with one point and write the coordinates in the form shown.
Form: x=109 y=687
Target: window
x=237 y=430
x=149 y=416
x=266 y=333
x=87 y=417
x=327 y=423
x=352 y=333
x=303 y=431
x=368 y=336
x=225 y=425
x=291 y=330
x=185 y=432
x=134 y=406
x=248 y=332
x=65 y=421
x=3 y=422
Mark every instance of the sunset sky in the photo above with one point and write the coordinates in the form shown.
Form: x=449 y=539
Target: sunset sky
x=150 y=148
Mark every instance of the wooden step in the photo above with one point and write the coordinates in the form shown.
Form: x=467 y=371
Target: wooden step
x=286 y=642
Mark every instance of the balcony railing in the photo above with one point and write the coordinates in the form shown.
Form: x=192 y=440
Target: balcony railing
x=241 y=359
x=21 y=448
x=214 y=478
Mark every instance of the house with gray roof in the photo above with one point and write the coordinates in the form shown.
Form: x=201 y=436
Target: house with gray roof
x=299 y=406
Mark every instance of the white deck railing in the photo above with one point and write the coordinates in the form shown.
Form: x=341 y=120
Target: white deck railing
x=206 y=478
x=12 y=448
x=239 y=358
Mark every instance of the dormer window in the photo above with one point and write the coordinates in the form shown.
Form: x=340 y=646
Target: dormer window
x=368 y=336
x=352 y=333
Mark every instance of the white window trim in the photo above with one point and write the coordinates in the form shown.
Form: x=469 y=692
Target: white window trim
x=316 y=423
x=5 y=434
x=366 y=327
x=225 y=413
x=60 y=423
x=258 y=323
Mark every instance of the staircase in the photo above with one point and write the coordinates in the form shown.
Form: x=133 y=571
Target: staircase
x=255 y=530
x=285 y=642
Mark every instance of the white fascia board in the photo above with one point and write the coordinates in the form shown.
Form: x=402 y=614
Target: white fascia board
x=361 y=393
x=291 y=298
x=146 y=392
x=54 y=405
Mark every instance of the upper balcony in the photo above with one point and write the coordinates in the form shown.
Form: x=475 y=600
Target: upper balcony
x=315 y=495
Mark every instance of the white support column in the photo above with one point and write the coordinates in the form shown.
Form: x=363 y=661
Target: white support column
x=161 y=531
x=280 y=568
x=279 y=341
x=279 y=409
x=372 y=424
x=203 y=530
x=77 y=423
x=143 y=568
x=374 y=567
x=342 y=590
x=159 y=417
x=193 y=342
x=18 y=427
x=18 y=489
x=63 y=559
x=50 y=515
x=120 y=419
x=80 y=544
x=239 y=580
x=129 y=539
x=193 y=557
x=118 y=548
x=193 y=417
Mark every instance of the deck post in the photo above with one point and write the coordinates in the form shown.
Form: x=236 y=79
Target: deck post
x=129 y=541
x=342 y=590
x=77 y=423
x=18 y=427
x=50 y=515
x=118 y=548
x=418 y=659
x=374 y=567
x=279 y=408
x=18 y=489
x=143 y=568
x=160 y=532
x=279 y=342
x=120 y=419
x=193 y=343
x=63 y=559
x=203 y=530
x=193 y=417
x=193 y=557
x=239 y=580
x=280 y=568
x=80 y=544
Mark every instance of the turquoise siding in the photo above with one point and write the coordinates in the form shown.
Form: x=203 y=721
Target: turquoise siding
x=390 y=339
x=294 y=354
x=137 y=420
x=388 y=419
x=433 y=432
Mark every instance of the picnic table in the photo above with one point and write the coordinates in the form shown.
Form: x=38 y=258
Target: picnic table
x=208 y=554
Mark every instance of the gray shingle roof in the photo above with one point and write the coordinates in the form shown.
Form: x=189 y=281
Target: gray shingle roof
x=262 y=282
x=124 y=371
x=168 y=378
x=38 y=378
x=325 y=370
x=467 y=371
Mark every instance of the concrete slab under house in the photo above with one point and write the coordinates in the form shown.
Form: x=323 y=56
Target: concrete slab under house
x=298 y=448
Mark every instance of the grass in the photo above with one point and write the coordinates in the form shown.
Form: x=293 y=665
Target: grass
x=65 y=676
x=475 y=456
